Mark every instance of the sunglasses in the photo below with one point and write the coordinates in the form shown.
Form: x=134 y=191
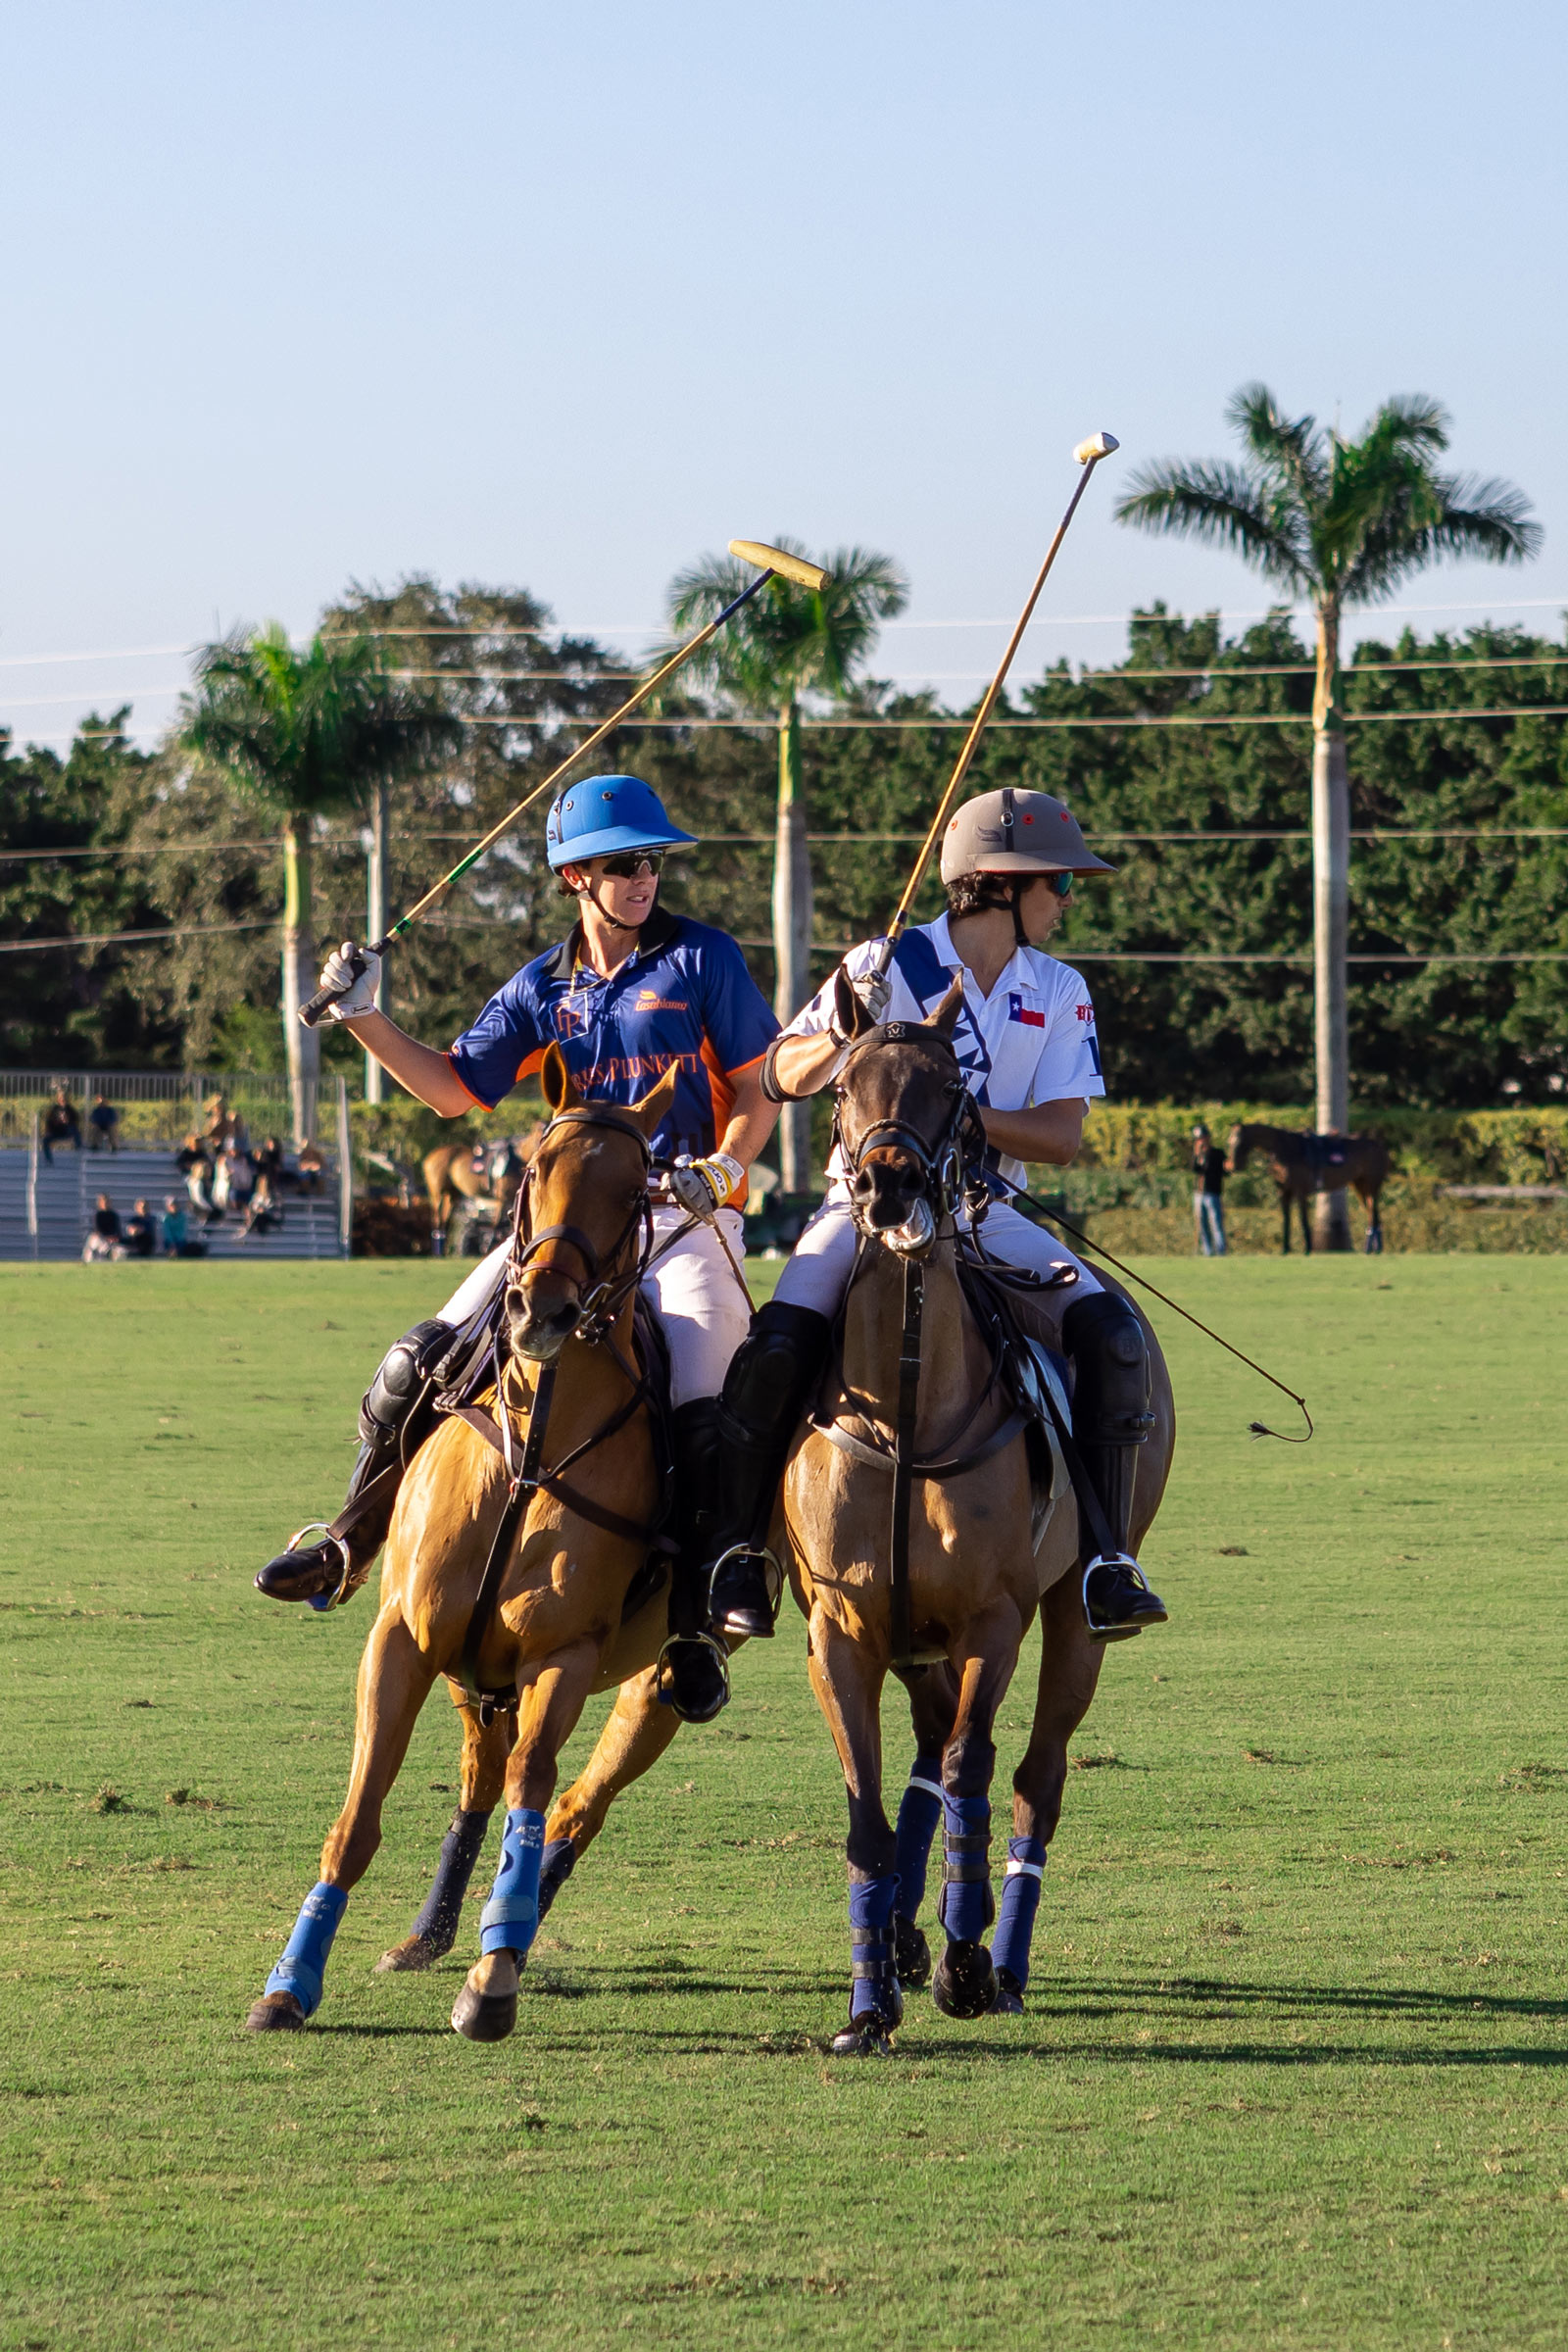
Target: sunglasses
x=1061 y=884
x=627 y=863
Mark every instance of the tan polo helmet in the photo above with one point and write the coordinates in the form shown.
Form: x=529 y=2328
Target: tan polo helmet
x=1012 y=832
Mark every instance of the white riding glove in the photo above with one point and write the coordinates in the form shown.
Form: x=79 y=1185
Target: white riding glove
x=874 y=991
x=702 y=1187
x=353 y=975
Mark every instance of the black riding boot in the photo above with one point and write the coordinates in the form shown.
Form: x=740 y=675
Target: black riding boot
x=333 y=1569
x=773 y=1373
x=1110 y=1420
x=693 y=1667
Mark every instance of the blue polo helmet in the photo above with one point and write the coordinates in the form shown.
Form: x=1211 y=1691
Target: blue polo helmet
x=606 y=813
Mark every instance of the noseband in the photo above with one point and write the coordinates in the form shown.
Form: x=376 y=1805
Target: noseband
x=941 y=1164
x=599 y=1299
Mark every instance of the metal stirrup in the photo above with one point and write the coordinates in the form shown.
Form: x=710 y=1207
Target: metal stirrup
x=322 y=1531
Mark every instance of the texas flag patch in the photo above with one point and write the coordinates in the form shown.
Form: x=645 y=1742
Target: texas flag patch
x=1017 y=1011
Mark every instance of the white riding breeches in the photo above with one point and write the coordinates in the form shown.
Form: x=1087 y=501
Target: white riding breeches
x=702 y=1308
x=818 y=1274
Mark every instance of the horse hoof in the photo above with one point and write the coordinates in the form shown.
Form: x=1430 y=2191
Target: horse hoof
x=965 y=1983
x=865 y=2037
x=276 y=2013
x=485 y=2016
x=1008 y=1999
x=414 y=1953
x=912 y=1955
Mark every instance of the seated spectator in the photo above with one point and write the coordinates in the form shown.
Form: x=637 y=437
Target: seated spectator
x=106 y=1239
x=239 y=1178
x=197 y=1168
x=102 y=1121
x=61 y=1125
x=140 y=1240
x=176 y=1232
x=310 y=1164
x=269 y=1167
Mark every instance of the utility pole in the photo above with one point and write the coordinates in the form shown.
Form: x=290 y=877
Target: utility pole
x=376 y=920
x=792 y=934
x=1331 y=892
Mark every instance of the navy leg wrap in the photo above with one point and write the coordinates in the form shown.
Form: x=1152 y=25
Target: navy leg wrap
x=966 y=1909
x=509 y=1919
x=1020 y=1900
x=304 y=1961
x=560 y=1860
x=461 y=1849
x=920 y=1811
x=875 y=1989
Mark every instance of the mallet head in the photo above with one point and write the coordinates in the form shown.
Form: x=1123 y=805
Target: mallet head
x=775 y=559
x=1097 y=445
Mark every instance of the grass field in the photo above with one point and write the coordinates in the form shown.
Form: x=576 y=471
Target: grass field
x=1297 y=2068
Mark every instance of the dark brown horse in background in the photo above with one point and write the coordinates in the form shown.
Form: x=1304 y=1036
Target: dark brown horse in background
x=1303 y=1165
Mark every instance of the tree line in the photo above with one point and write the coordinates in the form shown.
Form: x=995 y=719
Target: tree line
x=112 y=839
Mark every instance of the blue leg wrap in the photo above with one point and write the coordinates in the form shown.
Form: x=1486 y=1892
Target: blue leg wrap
x=461 y=1849
x=965 y=1907
x=920 y=1811
x=509 y=1919
x=875 y=1985
x=560 y=1861
x=303 y=1962
x=1020 y=1900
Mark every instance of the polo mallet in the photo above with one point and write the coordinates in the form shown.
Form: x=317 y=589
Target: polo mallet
x=1088 y=455
x=774 y=560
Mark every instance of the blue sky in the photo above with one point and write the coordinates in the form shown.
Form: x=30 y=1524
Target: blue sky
x=563 y=297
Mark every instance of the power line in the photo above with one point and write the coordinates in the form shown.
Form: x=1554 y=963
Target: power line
x=1063 y=620
x=119 y=939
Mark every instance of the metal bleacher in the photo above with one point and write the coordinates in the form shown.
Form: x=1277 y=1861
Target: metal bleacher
x=68 y=1194
x=46 y=1209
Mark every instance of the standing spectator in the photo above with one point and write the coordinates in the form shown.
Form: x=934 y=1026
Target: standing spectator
x=103 y=1119
x=1209 y=1201
x=61 y=1125
x=139 y=1236
x=106 y=1239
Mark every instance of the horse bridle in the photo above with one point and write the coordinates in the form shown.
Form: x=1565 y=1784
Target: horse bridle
x=600 y=1296
x=942 y=1163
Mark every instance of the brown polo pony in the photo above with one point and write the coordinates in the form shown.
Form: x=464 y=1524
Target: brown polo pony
x=556 y=1630
x=1302 y=1165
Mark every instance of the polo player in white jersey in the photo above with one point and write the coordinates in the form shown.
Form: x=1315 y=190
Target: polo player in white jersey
x=1026 y=1041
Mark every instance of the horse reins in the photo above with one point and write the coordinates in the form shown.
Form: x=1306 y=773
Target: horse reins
x=941 y=1166
x=601 y=1299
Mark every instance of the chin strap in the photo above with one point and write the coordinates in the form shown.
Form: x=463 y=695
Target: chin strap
x=589 y=893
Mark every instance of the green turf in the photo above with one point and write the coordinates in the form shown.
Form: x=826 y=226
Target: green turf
x=1293 y=2069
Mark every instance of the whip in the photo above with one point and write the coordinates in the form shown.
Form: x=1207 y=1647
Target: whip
x=775 y=562
x=1088 y=455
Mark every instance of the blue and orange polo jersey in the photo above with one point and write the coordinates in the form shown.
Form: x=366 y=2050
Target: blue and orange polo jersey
x=683 y=995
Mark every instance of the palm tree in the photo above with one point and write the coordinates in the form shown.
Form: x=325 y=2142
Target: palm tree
x=305 y=735
x=790 y=641
x=1337 y=523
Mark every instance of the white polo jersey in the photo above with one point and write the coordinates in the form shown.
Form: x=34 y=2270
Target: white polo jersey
x=1031 y=1041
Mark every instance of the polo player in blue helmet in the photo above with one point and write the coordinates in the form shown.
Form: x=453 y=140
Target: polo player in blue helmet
x=631 y=991
x=1025 y=1040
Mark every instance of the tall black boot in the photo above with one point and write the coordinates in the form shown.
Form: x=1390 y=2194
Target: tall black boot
x=767 y=1387
x=693 y=1666
x=332 y=1569
x=736 y=1590
x=1110 y=1420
